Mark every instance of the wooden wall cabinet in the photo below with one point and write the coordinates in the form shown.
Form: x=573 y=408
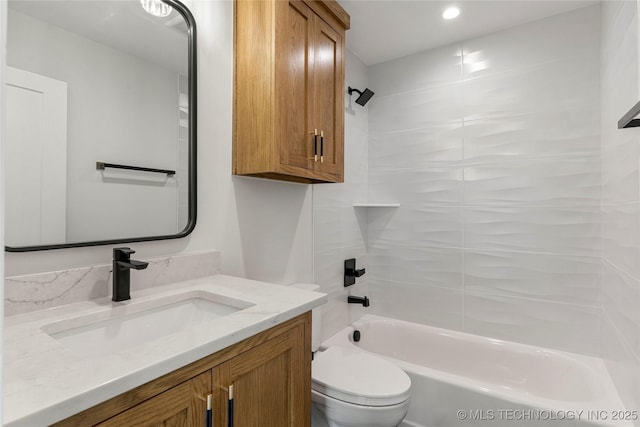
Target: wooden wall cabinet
x=288 y=120
x=270 y=374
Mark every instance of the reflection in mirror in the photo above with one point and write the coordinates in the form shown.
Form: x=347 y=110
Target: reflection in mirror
x=92 y=82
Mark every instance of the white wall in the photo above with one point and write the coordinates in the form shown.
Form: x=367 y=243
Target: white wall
x=339 y=228
x=263 y=228
x=3 y=38
x=621 y=200
x=491 y=146
x=121 y=109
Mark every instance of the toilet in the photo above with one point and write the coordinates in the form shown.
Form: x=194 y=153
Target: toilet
x=351 y=388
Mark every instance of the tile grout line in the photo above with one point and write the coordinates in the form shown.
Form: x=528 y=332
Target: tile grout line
x=462 y=216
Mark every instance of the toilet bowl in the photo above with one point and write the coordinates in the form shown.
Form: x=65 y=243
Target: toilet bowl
x=350 y=388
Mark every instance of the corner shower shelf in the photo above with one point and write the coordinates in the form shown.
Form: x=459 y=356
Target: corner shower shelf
x=376 y=205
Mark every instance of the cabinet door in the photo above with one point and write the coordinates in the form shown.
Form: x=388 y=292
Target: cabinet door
x=271 y=386
x=184 y=405
x=329 y=98
x=294 y=130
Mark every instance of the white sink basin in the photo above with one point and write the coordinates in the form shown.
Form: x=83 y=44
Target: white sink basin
x=122 y=326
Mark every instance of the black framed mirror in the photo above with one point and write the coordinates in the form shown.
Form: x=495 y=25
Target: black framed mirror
x=100 y=142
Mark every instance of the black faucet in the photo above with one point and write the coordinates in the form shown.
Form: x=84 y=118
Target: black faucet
x=358 y=300
x=122 y=265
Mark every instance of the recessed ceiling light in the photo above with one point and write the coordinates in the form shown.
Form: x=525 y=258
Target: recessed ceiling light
x=451 y=13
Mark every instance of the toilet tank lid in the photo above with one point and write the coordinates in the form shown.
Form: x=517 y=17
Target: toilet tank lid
x=358 y=377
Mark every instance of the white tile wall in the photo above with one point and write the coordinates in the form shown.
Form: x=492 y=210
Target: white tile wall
x=492 y=149
x=439 y=226
x=621 y=299
x=432 y=68
x=622 y=363
x=416 y=187
x=619 y=173
x=420 y=108
x=329 y=274
x=620 y=200
x=438 y=267
x=621 y=235
x=417 y=147
x=553 y=181
x=547 y=277
x=558 y=37
x=569 y=327
x=421 y=303
x=529 y=136
x=571 y=230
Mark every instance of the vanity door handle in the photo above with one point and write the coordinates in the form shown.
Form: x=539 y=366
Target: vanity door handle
x=230 y=408
x=209 y=416
x=321 y=146
x=315 y=145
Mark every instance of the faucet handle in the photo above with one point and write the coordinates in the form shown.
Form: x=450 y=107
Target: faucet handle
x=133 y=264
x=122 y=254
x=350 y=272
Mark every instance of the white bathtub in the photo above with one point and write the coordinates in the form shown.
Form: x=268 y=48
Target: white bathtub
x=466 y=380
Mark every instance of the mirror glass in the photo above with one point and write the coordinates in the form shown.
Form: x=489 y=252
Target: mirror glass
x=100 y=135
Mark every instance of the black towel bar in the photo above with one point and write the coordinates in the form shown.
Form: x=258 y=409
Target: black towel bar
x=102 y=166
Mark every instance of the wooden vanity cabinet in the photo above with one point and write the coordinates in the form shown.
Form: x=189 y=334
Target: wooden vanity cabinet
x=270 y=384
x=270 y=374
x=181 y=405
x=288 y=120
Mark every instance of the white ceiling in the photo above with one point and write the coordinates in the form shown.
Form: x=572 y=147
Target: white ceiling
x=382 y=30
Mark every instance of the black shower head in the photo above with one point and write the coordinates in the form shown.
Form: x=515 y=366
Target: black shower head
x=364 y=97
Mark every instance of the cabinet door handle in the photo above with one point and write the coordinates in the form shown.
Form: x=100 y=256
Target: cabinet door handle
x=209 y=422
x=230 y=408
x=315 y=145
x=321 y=146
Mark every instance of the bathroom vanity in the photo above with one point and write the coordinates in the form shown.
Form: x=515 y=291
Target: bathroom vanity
x=269 y=373
x=74 y=364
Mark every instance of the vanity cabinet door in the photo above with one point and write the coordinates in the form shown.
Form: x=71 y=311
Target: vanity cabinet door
x=271 y=384
x=184 y=405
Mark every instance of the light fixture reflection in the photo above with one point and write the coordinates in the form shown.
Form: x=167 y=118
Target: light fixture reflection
x=156 y=7
x=474 y=61
x=451 y=13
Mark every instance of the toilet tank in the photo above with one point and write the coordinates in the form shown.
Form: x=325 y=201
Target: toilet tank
x=316 y=332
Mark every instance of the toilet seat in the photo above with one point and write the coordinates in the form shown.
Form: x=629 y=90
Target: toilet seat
x=359 y=378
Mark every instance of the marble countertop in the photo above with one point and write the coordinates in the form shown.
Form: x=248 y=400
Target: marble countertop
x=45 y=382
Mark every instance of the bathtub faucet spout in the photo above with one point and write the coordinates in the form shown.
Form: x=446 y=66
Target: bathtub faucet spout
x=358 y=300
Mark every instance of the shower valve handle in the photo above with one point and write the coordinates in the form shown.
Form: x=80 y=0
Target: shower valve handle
x=350 y=272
